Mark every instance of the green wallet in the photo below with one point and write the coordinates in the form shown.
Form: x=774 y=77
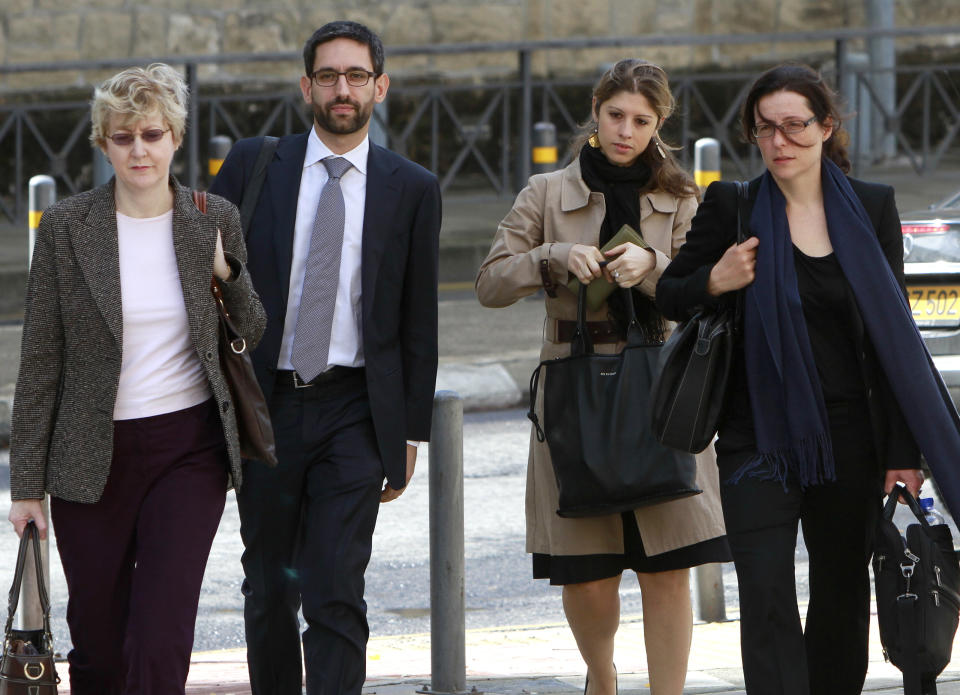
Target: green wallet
x=600 y=288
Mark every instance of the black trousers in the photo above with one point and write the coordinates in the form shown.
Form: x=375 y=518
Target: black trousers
x=307 y=528
x=829 y=656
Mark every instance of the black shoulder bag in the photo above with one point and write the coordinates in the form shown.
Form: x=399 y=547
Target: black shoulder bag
x=691 y=382
x=918 y=595
x=596 y=414
x=26 y=665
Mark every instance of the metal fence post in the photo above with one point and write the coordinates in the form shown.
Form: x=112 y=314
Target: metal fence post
x=447 y=626
x=193 y=126
x=710 y=604
x=526 y=117
x=43 y=193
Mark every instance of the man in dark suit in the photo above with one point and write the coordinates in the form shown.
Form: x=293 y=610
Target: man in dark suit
x=343 y=252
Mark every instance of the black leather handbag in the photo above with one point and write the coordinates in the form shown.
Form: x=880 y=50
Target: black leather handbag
x=596 y=415
x=691 y=382
x=918 y=595
x=26 y=665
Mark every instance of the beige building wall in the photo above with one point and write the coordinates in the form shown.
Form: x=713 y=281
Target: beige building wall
x=73 y=30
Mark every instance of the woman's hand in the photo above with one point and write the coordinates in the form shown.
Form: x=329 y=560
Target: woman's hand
x=22 y=511
x=630 y=264
x=584 y=262
x=220 y=266
x=735 y=269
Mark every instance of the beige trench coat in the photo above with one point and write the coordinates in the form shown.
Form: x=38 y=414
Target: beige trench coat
x=554 y=212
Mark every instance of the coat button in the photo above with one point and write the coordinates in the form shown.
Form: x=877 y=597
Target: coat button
x=209 y=355
x=225 y=406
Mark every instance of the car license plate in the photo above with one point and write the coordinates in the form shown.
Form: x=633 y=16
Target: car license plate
x=935 y=305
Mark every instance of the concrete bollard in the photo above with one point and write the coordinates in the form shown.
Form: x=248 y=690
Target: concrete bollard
x=448 y=665
x=543 y=154
x=706 y=161
x=710 y=604
x=219 y=146
x=43 y=194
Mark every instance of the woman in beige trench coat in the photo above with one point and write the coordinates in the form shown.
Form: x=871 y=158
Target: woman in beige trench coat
x=623 y=174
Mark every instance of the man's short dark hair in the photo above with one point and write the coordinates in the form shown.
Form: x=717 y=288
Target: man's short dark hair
x=344 y=30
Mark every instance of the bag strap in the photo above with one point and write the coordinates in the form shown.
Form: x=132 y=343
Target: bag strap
x=900 y=491
x=907 y=607
x=200 y=200
x=251 y=194
x=742 y=191
x=582 y=343
x=532 y=413
x=30 y=535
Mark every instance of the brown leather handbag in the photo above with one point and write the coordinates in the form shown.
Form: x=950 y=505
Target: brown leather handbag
x=249 y=405
x=26 y=665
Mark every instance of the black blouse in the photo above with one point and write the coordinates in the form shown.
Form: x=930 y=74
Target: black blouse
x=831 y=314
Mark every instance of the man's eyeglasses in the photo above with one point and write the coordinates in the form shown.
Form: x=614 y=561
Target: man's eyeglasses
x=766 y=130
x=150 y=136
x=355 y=77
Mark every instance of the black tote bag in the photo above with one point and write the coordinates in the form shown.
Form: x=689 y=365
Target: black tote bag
x=596 y=422
x=691 y=385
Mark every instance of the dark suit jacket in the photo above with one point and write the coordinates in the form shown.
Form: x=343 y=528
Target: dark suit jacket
x=682 y=290
x=401 y=228
x=62 y=431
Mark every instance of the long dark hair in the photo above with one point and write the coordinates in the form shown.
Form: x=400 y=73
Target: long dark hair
x=803 y=80
x=637 y=76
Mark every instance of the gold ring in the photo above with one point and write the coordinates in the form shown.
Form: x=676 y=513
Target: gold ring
x=26 y=671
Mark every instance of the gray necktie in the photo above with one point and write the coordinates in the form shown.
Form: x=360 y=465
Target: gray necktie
x=311 y=342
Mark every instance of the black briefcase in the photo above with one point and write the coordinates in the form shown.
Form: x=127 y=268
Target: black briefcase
x=918 y=595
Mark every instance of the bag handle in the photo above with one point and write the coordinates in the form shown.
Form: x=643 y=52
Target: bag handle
x=900 y=491
x=582 y=343
x=30 y=535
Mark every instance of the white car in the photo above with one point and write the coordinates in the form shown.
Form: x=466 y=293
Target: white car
x=931 y=259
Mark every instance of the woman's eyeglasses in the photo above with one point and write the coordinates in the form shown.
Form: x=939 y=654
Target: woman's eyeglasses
x=149 y=136
x=766 y=130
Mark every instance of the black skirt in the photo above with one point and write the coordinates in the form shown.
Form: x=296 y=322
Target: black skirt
x=573 y=569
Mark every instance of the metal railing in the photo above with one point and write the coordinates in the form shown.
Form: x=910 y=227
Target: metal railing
x=477 y=137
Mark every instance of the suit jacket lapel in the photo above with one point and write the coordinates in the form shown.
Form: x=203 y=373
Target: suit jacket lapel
x=282 y=189
x=95 y=244
x=383 y=196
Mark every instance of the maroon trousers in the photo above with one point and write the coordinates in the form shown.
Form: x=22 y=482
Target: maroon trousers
x=134 y=560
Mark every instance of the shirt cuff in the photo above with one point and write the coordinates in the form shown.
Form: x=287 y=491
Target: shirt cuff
x=413 y=444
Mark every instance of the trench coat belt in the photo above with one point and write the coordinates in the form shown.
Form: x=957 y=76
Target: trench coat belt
x=562 y=331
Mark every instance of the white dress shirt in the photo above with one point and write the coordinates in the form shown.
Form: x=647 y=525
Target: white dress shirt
x=346 y=338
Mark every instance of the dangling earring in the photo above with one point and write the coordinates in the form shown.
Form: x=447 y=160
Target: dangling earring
x=656 y=140
x=594 y=140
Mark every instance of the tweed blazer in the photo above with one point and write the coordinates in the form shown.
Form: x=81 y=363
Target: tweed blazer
x=62 y=428
x=554 y=212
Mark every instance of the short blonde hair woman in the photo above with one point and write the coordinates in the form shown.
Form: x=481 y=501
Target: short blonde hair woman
x=122 y=413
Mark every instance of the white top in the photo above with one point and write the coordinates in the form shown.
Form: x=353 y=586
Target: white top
x=346 y=339
x=160 y=371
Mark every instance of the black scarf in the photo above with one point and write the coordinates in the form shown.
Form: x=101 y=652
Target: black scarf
x=621 y=188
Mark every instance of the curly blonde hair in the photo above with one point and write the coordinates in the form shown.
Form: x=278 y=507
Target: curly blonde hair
x=135 y=94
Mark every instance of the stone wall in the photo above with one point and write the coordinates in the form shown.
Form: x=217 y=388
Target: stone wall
x=74 y=30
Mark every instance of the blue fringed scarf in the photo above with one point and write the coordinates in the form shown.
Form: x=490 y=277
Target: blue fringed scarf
x=788 y=410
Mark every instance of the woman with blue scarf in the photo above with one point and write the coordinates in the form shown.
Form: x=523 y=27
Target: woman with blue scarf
x=832 y=396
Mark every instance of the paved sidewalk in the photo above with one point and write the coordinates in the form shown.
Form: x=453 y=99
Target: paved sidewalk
x=543 y=660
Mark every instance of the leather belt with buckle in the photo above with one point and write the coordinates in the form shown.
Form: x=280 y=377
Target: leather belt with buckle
x=335 y=373
x=600 y=331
